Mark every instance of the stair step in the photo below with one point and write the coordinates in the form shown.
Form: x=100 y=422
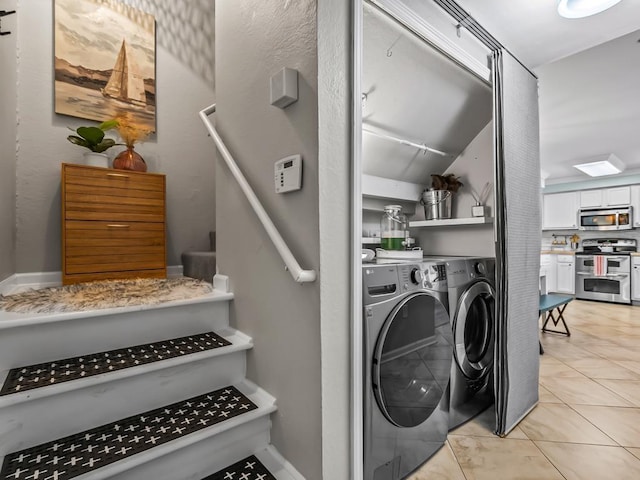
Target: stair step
x=139 y=438
x=249 y=468
x=59 y=371
x=29 y=339
x=269 y=465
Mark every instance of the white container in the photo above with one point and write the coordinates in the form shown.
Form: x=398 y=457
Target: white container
x=95 y=159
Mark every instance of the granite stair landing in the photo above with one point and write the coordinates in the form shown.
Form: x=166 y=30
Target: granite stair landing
x=154 y=392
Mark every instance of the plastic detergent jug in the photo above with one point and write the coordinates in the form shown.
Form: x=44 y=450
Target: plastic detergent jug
x=393 y=228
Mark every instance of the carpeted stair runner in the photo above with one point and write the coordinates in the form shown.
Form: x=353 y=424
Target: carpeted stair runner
x=59 y=371
x=78 y=454
x=249 y=468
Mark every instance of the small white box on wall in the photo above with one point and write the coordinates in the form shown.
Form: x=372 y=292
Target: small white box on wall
x=284 y=88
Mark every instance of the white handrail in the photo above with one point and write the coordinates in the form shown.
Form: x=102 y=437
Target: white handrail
x=292 y=265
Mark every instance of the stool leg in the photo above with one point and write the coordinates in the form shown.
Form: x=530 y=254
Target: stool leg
x=561 y=317
x=551 y=316
x=539 y=342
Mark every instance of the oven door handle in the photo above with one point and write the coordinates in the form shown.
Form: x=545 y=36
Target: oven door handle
x=609 y=257
x=608 y=275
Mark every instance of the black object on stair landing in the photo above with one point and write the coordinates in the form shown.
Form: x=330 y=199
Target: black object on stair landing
x=78 y=454
x=50 y=373
x=249 y=468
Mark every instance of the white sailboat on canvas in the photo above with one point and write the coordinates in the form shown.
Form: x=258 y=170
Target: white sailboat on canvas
x=126 y=83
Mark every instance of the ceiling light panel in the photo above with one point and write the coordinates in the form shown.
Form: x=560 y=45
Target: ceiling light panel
x=598 y=169
x=583 y=8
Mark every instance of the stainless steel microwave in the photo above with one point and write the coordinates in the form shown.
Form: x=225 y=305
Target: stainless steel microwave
x=620 y=218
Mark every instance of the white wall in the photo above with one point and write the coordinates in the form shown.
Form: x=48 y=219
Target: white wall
x=254 y=40
x=334 y=171
x=8 y=142
x=181 y=148
x=475 y=167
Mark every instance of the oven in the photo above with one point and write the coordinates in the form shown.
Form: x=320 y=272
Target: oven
x=604 y=277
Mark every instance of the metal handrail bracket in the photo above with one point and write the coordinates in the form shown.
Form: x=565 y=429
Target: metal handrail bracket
x=291 y=264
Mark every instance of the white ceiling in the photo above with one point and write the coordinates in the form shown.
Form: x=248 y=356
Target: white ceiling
x=589 y=88
x=534 y=32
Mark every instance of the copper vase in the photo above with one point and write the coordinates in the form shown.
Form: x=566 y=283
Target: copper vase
x=129 y=159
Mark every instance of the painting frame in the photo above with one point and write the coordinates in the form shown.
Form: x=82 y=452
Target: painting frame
x=104 y=62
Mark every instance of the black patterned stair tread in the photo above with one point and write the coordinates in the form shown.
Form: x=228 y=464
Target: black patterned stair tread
x=59 y=371
x=83 y=452
x=249 y=468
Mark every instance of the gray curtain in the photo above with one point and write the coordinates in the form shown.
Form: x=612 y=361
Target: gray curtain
x=518 y=237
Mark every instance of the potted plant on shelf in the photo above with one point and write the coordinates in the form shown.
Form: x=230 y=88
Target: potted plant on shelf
x=130 y=132
x=437 y=200
x=94 y=139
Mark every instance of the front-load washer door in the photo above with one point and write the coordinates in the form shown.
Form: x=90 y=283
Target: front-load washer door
x=474 y=330
x=412 y=360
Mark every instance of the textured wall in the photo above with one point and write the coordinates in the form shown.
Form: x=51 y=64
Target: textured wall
x=7 y=142
x=181 y=148
x=475 y=166
x=254 y=40
x=185 y=29
x=334 y=175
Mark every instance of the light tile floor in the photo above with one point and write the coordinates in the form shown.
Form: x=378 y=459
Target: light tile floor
x=587 y=424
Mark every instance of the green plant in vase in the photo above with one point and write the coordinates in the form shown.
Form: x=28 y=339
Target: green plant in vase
x=94 y=139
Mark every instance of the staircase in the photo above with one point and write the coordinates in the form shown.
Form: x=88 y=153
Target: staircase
x=154 y=392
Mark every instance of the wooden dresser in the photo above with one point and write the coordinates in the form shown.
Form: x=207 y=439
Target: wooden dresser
x=113 y=224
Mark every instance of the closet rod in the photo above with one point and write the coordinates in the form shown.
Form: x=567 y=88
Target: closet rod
x=420 y=146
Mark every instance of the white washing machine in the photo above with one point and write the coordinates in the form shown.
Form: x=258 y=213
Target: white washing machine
x=471 y=286
x=407 y=360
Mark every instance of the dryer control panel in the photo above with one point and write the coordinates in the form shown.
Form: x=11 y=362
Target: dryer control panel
x=425 y=275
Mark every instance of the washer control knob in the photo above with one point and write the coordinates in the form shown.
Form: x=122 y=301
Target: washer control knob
x=480 y=268
x=417 y=276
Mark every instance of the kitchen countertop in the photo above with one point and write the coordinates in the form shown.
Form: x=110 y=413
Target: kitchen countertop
x=635 y=254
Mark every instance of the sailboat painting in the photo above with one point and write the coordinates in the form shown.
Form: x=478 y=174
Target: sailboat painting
x=104 y=61
x=125 y=82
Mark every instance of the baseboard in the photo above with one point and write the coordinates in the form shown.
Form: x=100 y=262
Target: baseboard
x=174 y=271
x=53 y=279
x=7 y=284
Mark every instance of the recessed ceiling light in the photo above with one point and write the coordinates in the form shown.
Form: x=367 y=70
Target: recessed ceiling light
x=583 y=8
x=600 y=168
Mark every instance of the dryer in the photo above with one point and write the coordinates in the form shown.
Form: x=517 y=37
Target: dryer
x=407 y=361
x=471 y=286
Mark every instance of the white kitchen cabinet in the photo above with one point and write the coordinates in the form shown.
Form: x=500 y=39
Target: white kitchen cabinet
x=560 y=211
x=565 y=276
x=635 y=279
x=548 y=269
x=605 y=197
x=590 y=198
x=615 y=197
x=635 y=203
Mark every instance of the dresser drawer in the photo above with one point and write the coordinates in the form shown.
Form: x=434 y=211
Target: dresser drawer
x=105 y=177
x=109 y=195
x=116 y=209
x=105 y=234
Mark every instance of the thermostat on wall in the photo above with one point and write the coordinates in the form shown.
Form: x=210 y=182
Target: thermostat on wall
x=288 y=174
